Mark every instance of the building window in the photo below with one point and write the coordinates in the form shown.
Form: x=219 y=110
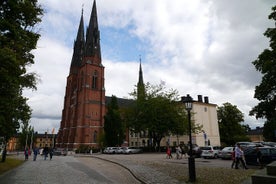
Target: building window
x=94 y=80
x=81 y=81
x=205 y=109
x=95 y=136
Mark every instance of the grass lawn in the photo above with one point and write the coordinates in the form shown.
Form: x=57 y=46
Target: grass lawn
x=9 y=164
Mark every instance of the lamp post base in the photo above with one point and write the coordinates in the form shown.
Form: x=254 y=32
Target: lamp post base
x=192 y=173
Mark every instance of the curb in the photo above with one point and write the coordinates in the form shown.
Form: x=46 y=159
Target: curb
x=131 y=172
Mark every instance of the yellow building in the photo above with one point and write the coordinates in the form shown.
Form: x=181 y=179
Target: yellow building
x=39 y=141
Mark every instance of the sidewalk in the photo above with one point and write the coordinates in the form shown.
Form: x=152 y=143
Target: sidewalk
x=60 y=170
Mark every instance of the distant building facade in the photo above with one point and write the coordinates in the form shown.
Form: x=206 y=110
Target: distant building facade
x=38 y=140
x=256 y=135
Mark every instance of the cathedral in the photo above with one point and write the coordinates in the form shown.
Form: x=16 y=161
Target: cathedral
x=84 y=102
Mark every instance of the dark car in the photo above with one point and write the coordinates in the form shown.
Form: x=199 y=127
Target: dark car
x=268 y=155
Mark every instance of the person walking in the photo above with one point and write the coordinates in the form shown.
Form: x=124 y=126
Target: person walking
x=178 y=152
x=233 y=158
x=239 y=157
x=51 y=152
x=26 y=153
x=35 y=150
x=169 y=152
x=259 y=158
x=45 y=152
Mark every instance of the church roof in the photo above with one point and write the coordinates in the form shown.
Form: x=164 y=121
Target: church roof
x=121 y=101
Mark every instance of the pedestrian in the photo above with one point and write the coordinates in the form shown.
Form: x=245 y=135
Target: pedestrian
x=29 y=152
x=178 y=152
x=233 y=157
x=51 y=152
x=35 y=150
x=259 y=158
x=26 y=153
x=45 y=152
x=239 y=157
x=169 y=152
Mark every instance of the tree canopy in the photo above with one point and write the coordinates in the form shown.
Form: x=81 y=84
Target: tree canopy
x=18 y=37
x=159 y=113
x=230 y=128
x=113 y=124
x=265 y=92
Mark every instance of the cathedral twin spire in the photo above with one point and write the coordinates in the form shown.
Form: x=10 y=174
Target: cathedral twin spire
x=90 y=46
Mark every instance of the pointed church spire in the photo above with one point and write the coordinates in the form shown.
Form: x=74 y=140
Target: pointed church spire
x=92 y=45
x=78 y=47
x=140 y=85
x=140 y=81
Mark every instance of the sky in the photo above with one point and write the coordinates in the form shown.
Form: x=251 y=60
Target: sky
x=199 y=47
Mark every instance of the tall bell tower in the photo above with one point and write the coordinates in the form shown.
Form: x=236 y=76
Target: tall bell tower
x=84 y=102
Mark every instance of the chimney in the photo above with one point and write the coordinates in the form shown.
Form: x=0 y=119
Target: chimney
x=199 y=97
x=206 y=99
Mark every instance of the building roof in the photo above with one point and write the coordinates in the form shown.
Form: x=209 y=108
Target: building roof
x=121 y=101
x=257 y=131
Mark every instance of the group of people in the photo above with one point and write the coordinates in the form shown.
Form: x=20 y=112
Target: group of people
x=238 y=157
x=179 y=150
x=46 y=151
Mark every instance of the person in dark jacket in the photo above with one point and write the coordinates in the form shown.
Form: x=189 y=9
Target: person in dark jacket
x=259 y=158
x=45 y=152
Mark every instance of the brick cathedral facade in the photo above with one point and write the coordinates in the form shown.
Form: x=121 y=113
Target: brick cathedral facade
x=84 y=102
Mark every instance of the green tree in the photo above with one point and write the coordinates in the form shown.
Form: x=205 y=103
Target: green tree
x=113 y=124
x=230 y=128
x=160 y=113
x=266 y=90
x=17 y=39
x=25 y=136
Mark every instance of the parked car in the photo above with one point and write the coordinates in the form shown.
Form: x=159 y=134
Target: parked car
x=245 y=144
x=59 y=151
x=268 y=155
x=210 y=151
x=196 y=150
x=119 y=150
x=110 y=150
x=130 y=150
x=226 y=153
x=271 y=144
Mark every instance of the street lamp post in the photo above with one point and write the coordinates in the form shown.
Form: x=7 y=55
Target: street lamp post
x=188 y=101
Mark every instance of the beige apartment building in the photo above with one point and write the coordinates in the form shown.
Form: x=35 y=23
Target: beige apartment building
x=203 y=113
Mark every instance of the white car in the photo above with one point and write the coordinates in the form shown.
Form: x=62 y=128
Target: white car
x=210 y=151
x=130 y=150
x=226 y=153
x=110 y=150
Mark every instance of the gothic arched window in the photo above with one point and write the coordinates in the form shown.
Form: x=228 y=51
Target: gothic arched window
x=81 y=80
x=95 y=136
x=95 y=80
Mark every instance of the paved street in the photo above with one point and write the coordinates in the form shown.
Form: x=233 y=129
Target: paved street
x=100 y=169
x=67 y=170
